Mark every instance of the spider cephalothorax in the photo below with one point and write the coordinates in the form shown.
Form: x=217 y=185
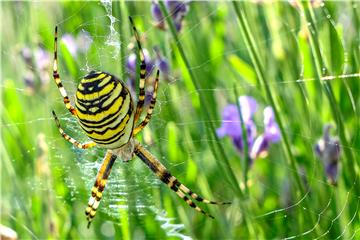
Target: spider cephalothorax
x=105 y=111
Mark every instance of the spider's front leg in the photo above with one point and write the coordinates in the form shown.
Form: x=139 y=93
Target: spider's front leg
x=99 y=185
x=151 y=107
x=57 y=79
x=141 y=99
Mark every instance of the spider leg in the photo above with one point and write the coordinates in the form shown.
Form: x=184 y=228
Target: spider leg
x=141 y=99
x=70 y=139
x=171 y=181
x=99 y=185
x=195 y=196
x=151 y=107
x=57 y=79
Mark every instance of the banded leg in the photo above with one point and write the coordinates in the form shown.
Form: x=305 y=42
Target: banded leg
x=57 y=79
x=151 y=107
x=195 y=196
x=141 y=99
x=171 y=181
x=70 y=139
x=99 y=185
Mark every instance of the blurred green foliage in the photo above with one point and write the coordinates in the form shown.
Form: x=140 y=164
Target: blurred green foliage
x=309 y=63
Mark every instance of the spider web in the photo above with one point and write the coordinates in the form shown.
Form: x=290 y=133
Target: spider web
x=133 y=182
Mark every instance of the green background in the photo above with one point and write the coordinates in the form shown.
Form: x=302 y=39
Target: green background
x=303 y=60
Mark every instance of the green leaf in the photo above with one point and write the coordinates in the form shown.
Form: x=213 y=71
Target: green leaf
x=243 y=69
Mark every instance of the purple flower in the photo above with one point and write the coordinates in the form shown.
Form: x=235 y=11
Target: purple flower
x=231 y=126
x=162 y=63
x=248 y=107
x=176 y=9
x=70 y=43
x=26 y=53
x=84 y=41
x=272 y=131
x=38 y=62
x=328 y=150
x=131 y=64
x=271 y=135
x=43 y=64
x=157 y=15
x=80 y=44
x=42 y=59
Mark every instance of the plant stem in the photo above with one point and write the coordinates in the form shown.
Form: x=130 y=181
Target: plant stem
x=212 y=131
x=250 y=44
x=244 y=140
x=119 y=9
x=321 y=71
x=203 y=101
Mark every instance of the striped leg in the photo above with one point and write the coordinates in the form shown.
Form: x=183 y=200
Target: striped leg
x=99 y=185
x=141 y=99
x=70 y=139
x=195 y=196
x=151 y=107
x=171 y=181
x=57 y=79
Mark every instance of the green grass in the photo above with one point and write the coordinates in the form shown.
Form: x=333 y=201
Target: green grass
x=279 y=54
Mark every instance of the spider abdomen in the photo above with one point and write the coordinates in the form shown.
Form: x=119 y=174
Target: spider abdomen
x=105 y=109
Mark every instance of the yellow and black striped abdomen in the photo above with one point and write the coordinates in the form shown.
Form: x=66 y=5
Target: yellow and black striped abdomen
x=105 y=109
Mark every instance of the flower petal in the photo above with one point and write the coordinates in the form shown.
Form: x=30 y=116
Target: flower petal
x=248 y=107
x=231 y=121
x=272 y=133
x=269 y=117
x=260 y=147
x=156 y=12
x=70 y=44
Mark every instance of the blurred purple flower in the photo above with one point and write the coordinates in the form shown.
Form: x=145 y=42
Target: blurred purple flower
x=157 y=15
x=328 y=150
x=272 y=131
x=70 y=43
x=131 y=64
x=43 y=64
x=26 y=53
x=38 y=63
x=163 y=66
x=231 y=126
x=162 y=63
x=80 y=44
x=42 y=59
x=84 y=41
x=271 y=135
x=176 y=9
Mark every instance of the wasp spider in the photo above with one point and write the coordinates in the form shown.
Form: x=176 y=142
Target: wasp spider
x=105 y=110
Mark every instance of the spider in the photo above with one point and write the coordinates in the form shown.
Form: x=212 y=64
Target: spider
x=105 y=111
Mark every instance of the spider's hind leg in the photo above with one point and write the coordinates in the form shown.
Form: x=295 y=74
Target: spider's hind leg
x=197 y=197
x=99 y=185
x=70 y=139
